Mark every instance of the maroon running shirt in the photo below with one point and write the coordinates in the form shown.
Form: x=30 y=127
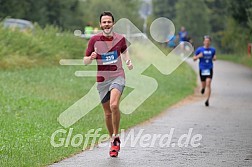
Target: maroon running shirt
x=109 y=63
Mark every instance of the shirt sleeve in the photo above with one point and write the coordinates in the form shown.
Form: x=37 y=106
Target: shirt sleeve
x=198 y=51
x=90 y=47
x=124 y=45
x=214 y=52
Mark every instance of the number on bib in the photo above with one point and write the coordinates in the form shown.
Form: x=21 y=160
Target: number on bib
x=205 y=72
x=109 y=58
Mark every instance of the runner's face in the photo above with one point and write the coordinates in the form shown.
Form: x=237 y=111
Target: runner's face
x=106 y=24
x=207 y=42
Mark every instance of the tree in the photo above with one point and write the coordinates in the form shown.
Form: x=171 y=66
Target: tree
x=120 y=9
x=164 y=8
x=217 y=13
x=218 y=16
x=239 y=26
x=64 y=14
x=13 y=8
x=234 y=39
x=194 y=15
x=241 y=11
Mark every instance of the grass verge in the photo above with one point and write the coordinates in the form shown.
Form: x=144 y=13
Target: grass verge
x=237 y=58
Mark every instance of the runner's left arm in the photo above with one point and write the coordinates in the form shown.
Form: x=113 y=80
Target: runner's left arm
x=126 y=58
x=214 y=57
x=125 y=54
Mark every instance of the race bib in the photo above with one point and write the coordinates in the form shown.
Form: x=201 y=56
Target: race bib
x=109 y=58
x=205 y=72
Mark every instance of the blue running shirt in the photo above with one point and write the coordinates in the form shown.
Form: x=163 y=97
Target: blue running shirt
x=206 y=62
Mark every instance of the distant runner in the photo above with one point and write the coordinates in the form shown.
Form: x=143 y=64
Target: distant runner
x=206 y=56
x=183 y=35
x=107 y=48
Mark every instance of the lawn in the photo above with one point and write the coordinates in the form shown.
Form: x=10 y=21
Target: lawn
x=32 y=99
x=34 y=95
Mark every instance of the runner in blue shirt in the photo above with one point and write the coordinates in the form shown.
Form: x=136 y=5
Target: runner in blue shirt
x=183 y=35
x=206 y=56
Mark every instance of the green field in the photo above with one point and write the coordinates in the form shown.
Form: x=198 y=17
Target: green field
x=32 y=99
x=34 y=94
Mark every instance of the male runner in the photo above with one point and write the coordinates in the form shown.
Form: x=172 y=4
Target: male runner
x=206 y=55
x=107 y=48
x=183 y=35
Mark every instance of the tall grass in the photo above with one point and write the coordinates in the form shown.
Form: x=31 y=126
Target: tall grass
x=42 y=47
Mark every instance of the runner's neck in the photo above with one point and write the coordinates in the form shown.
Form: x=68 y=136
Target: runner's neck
x=110 y=35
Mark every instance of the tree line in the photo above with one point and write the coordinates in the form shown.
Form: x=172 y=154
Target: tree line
x=62 y=13
x=68 y=14
x=229 y=22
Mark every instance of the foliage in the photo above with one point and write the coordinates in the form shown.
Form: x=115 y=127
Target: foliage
x=120 y=9
x=229 y=22
x=194 y=16
x=164 y=8
x=65 y=14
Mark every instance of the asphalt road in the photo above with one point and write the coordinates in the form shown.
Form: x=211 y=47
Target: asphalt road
x=222 y=133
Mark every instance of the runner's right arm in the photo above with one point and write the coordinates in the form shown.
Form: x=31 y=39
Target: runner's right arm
x=89 y=59
x=214 y=57
x=91 y=52
x=196 y=57
x=198 y=54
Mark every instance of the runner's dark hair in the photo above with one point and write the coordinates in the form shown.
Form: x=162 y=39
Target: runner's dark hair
x=207 y=37
x=107 y=13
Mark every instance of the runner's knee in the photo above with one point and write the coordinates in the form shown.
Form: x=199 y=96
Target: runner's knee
x=114 y=107
x=208 y=83
x=108 y=115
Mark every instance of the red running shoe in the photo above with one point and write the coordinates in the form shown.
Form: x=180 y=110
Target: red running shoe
x=115 y=147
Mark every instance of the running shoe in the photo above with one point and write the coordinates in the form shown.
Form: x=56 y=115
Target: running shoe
x=202 y=90
x=207 y=103
x=115 y=147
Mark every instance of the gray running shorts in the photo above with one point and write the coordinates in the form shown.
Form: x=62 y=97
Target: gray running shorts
x=105 y=87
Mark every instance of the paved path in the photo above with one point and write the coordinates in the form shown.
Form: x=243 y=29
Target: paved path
x=225 y=126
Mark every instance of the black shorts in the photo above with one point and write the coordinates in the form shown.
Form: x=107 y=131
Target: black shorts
x=207 y=74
